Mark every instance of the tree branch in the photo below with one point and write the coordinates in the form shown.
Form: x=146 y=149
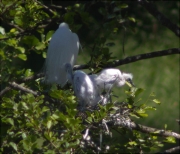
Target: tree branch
x=115 y=63
x=143 y=129
x=132 y=59
x=27 y=90
x=160 y=17
x=172 y=150
x=19 y=87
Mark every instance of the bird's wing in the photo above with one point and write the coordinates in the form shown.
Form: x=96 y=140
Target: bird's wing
x=63 y=48
x=83 y=87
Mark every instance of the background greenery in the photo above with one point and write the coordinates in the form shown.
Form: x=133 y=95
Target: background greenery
x=32 y=123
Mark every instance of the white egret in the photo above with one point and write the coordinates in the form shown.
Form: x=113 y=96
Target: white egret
x=63 y=48
x=83 y=87
x=108 y=78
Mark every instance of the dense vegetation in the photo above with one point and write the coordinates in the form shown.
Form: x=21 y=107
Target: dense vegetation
x=40 y=118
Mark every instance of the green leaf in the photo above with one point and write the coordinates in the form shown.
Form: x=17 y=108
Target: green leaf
x=28 y=72
x=45 y=108
x=49 y=35
x=150 y=108
x=170 y=139
x=11 y=121
x=44 y=54
x=123 y=6
x=30 y=41
x=142 y=114
x=132 y=19
x=25 y=105
x=133 y=115
x=21 y=49
x=22 y=56
x=156 y=101
x=138 y=91
x=132 y=143
x=40 y=46
x=49 y=124
x=14 y=146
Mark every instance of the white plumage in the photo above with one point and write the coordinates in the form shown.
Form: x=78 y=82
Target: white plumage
x=63 y=48
x=108 y=78
x=83 y=87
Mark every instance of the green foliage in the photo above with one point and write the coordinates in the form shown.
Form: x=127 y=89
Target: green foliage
x=50 y=122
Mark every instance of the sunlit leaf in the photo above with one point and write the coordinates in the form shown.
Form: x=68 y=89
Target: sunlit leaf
x=11 y=121
x=170 y=139
x=14 y=146
x=22 y=56
x=156 y=101
x=49 y=124
x=132 y=19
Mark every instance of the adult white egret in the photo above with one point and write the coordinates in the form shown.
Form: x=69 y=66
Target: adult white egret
x=108 y=78
x=63 y=48
x=84 y=88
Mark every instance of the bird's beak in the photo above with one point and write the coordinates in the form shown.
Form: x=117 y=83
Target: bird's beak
x=129 y=81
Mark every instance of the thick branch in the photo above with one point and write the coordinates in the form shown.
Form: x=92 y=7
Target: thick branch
x=135 y=58
x=145 y=129
x=160 y=17
x=172 y=150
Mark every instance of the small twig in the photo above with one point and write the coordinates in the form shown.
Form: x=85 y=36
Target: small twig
x=46 y=7
x=16 y=26
x=160 y=17
x=58 y=7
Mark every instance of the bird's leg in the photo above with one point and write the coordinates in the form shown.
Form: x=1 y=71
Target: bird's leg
x=86 y=134
x=104 y=123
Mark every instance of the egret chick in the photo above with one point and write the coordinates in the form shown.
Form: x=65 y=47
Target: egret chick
x=63 y=48
x=83 y=87
x=108 y=78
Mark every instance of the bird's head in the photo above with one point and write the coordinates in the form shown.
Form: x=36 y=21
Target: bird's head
x=63 y=24
x=128 y=77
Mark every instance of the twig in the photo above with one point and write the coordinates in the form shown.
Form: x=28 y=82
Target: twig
x=46 y=7
x=160 y=17
x=58 y=7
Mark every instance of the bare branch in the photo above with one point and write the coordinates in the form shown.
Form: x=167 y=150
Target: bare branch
x=19 y=87
x=135 y=58
x=172 y=150
x=27 y=90
x=160 y=17
x=4 y=91
x=145 y=129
